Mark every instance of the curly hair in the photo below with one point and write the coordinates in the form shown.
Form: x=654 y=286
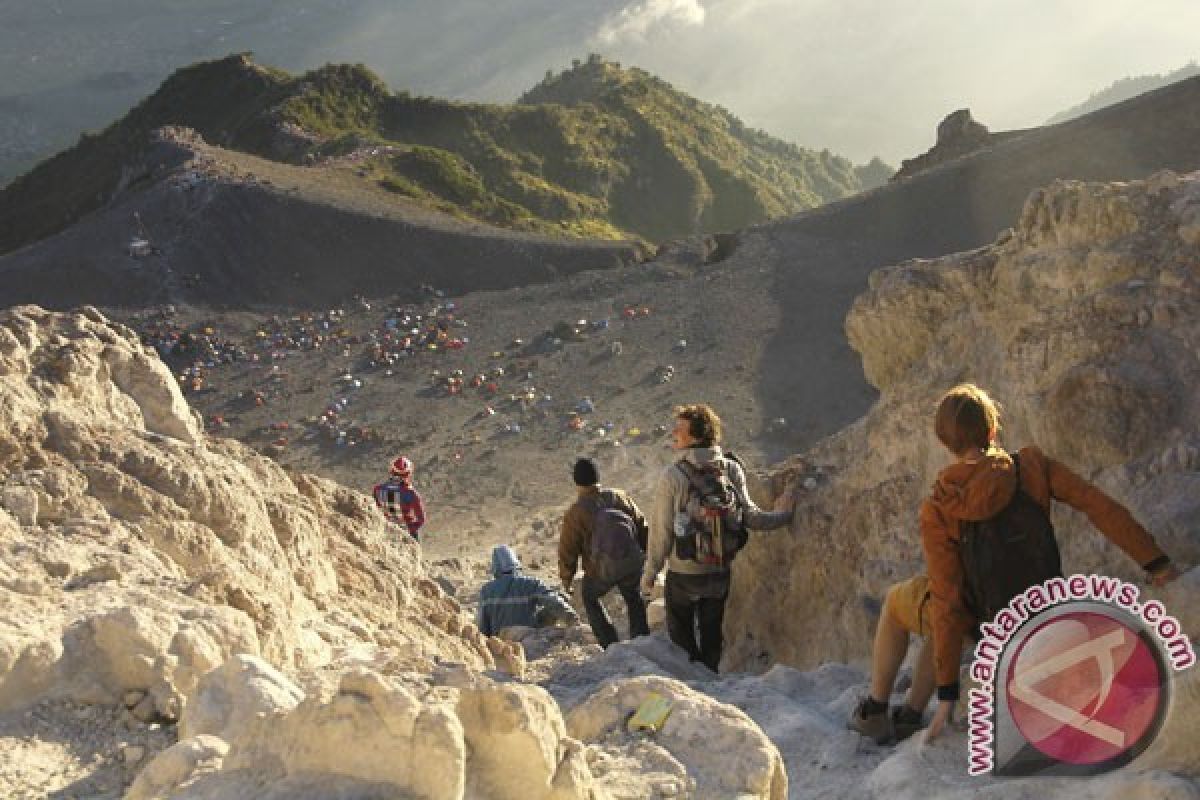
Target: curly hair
x=703 y=423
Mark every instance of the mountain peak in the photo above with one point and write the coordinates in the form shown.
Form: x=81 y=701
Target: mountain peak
x=587 y=81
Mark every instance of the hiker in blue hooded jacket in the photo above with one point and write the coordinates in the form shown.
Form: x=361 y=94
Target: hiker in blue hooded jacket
x=512 y=598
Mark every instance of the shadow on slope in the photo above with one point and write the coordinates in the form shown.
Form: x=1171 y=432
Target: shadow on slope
x=822 y=258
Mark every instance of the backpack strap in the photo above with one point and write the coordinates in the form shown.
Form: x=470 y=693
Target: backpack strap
x=606 y=498
x=689 y=474
x=737 y=490
x=692 y=474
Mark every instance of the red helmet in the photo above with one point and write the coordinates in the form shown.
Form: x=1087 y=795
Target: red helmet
x=402 y=467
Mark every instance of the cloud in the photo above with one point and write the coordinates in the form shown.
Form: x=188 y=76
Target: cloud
x=865 y=78
x=634 y=22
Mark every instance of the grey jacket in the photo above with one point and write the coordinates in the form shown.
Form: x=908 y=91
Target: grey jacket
x=671 y=496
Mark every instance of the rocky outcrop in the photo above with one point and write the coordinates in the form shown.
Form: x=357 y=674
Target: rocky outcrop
x=136 y=555
x=957 y=135
x=959 y=129
x=1082 y=322
x=260 y=734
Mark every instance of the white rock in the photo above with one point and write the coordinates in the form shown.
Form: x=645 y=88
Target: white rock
x=21 y=502
x=229 y=701
x=723 y=750
x=507 y=726
x=182 y=762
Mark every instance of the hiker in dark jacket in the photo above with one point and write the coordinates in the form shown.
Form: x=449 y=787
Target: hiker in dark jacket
x=696 y=592
x=575 y=544
x=512 y=598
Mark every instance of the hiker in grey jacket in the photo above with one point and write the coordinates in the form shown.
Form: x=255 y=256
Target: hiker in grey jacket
x=511 y=598
x=696 y=591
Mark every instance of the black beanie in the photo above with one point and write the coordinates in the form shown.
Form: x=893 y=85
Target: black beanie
x=585 y=472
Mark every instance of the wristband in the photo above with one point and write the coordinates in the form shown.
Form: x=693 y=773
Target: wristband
x=1157 y=564
x=948 y=693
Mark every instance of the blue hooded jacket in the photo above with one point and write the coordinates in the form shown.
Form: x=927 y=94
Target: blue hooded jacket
x=511 y=598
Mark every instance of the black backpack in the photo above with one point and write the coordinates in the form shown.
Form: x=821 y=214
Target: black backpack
x=1006 y=554
x=717 y=531
x=614 y=550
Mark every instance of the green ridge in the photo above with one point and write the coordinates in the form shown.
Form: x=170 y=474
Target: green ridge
x=595 y=151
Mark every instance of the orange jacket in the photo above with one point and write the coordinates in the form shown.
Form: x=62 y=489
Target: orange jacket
x=979 y=490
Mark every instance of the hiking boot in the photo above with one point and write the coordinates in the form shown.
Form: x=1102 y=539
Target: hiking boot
x=871 y=721
x=906 y=721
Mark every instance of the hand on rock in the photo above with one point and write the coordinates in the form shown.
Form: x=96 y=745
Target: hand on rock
x=786 y=501
x=1164 y=576
x=942 y=716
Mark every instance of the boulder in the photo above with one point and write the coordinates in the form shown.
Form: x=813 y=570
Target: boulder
x=722 y=750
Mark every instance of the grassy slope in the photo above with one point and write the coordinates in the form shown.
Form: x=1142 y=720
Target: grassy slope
x=596 y=151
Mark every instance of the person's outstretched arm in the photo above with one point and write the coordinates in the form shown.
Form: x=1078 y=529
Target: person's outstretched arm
x=756 y=518
x=1110 y=518
x=553 y=604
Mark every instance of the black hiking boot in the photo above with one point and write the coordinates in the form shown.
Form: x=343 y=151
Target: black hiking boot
x=906 y=721
x=871 y=720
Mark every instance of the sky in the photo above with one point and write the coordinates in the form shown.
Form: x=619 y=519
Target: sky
x=859 y=77
x=862 y=78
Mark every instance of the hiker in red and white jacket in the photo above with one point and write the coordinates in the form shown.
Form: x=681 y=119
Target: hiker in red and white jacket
x=398 y=500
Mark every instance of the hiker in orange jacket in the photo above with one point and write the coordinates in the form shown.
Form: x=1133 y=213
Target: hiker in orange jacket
x=978 y=485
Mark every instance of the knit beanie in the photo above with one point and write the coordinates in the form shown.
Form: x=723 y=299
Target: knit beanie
x=585 y=472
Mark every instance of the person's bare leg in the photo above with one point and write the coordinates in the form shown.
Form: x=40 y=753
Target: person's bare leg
x=923 y=679
x=891 y=645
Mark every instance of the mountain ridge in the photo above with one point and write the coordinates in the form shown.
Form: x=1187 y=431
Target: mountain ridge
x=1124 y=89
x=649 y=163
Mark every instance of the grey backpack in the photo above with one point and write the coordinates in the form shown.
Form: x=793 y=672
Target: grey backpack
x=614 y=551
